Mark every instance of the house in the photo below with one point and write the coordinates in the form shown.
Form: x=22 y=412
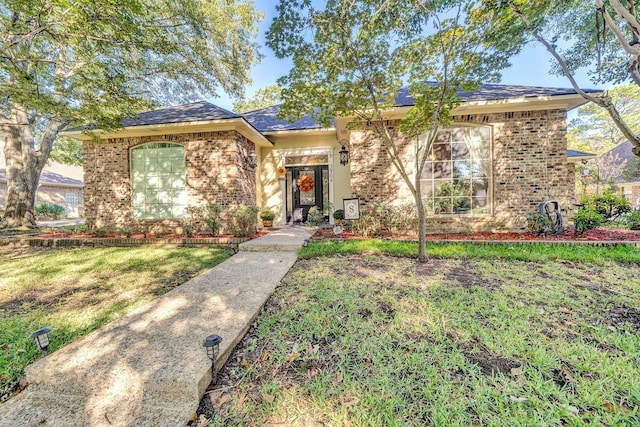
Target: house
x=59 y=184
x=623 y=167
x=505 y=154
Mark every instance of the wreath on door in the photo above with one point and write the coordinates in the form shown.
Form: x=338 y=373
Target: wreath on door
x=305 y=182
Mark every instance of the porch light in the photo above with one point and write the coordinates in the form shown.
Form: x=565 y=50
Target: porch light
x=253 y=160
x=344 y=153
x=212 y=344
x=41 y=338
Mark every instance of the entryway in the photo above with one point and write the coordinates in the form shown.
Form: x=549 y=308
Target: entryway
x=306 y=187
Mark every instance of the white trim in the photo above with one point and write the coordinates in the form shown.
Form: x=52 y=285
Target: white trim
x=325 y=150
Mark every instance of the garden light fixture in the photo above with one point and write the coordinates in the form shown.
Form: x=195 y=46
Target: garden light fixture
x=233 y=246
x=344 y=153
x=212 y=344
x=41 y=338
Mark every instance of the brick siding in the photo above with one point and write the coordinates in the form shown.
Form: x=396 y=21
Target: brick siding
x=216 y=172
x=530 y=165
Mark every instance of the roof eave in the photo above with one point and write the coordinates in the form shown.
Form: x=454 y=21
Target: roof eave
x=238 y=124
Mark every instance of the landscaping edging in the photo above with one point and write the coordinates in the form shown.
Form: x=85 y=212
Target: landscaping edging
x=216 y=242
x=602 y=243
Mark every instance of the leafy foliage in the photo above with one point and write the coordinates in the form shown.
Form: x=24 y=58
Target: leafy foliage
x=196 y=218
x=244 y=220
x=315 y=216
x=586 y=218
x=68 y=151
x=633 y=220
x=49 y=211
x=609 y=205
x=351 y=59
x=263 y=98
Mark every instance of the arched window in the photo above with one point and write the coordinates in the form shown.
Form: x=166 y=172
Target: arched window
x=457 y=178
x=158 y=181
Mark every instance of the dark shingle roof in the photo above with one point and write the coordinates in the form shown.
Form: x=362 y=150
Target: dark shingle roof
x=266 y=120
x=197 y=111
x=614 y=162
x=491 y=92
x=576 y=153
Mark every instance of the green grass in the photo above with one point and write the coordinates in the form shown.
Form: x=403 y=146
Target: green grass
x=75 y=291
x=476 y=336
x=622 y=253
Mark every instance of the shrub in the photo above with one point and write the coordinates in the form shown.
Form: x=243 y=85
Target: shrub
x=633 y=220
x=538 y=224
x=267 y=214
x=608 y=205
x=586 y=218
x=366 y=226
x=48 y=211
x=244 y=220
x=338 y=214
x=197 y=218
x=314 y=216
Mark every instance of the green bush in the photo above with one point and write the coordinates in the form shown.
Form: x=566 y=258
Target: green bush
x=608 y=205
x=586 y=218
x=244 y=221
x=633 y=220
x=48 y=211
x=197 y=218
x=338 y=214
x=366 y=226
x=267 y=214
x=314 y=216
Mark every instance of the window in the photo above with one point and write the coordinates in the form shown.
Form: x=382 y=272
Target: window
x=158 y=181
x=457 y=175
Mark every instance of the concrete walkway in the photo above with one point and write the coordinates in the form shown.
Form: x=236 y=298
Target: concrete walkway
x=149 y=368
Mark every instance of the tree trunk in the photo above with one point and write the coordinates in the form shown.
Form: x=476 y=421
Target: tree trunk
x=23 y=172
x=422 y=222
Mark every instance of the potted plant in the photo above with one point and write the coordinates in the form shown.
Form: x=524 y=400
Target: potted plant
x=267 y=216
x=338 y=216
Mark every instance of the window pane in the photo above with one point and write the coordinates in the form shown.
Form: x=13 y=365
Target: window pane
x=442 y=170
x=461 y=169
x=158 y=181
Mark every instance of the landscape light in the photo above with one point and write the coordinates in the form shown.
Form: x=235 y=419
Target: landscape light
x=41 y=338
x=212 y=344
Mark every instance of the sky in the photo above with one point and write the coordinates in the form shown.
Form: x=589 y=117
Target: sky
x=530 y=68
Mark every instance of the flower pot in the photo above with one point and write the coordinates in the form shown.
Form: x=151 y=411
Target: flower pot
x=267 y=222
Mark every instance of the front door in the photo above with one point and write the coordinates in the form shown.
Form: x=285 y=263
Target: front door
x=309 y=187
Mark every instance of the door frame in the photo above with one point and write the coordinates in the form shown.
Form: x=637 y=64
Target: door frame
x=281 y=155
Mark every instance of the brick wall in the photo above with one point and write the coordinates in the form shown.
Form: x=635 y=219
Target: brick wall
x=216 y=172
x=530 y=165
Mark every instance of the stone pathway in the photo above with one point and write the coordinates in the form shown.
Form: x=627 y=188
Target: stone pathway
x=149 y=368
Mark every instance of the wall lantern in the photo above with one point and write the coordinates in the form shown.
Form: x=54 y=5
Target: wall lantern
x=212 y=344
x=344 y=153
x=41 y=338
x=253 y=160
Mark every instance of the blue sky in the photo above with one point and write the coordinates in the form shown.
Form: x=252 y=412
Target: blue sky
x=530 y=68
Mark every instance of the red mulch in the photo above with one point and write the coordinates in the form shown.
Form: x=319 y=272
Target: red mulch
x=69 y=235
x=600 y=234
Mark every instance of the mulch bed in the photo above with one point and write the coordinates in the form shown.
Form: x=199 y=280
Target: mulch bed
x=600 y=234
x=70 y=235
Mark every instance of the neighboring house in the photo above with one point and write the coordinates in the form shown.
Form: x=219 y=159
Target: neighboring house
x=622 y=166
x=59 y=184
x=504 y=154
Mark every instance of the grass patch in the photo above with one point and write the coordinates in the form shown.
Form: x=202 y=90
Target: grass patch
x=374 y=340
x=75 y=291
x=621 y=253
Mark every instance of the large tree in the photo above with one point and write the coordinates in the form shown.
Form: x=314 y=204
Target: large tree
x=594 y=130
x=263 y=98
x=352 y=57
x=602 y=35
x=65 y=63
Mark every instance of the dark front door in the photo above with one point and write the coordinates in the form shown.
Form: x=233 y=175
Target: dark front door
x=308 y=189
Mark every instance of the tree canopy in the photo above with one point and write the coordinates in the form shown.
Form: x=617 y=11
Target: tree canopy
x=351 y=59
x=263 y=98
x=99 y=61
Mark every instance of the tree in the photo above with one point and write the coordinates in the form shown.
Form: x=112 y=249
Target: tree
x=603 y=35
x=67 y=151
x=66 y=63
x=352 y=57
x=594 y=131
x=263 y=98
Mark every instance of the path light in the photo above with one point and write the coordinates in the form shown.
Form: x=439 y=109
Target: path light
x=305 y=243
x=41 y=338
x=344 y=153
x=212 y=344
x=233 y=246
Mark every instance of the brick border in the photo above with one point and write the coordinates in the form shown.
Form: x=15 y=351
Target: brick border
x=219 y=242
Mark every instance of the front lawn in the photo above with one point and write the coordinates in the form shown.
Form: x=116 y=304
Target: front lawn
x=75 y=291
x=470 y=338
